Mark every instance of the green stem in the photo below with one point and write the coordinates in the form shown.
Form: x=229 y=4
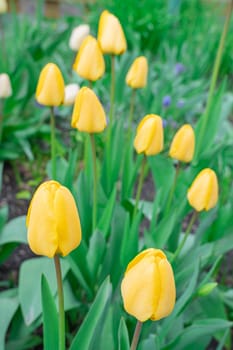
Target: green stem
x=131 y=110
x=136 y=336
x=187 y=232
x=139 y=188
x=214 y=79
x=94 y=212
x=3 y=42
x=112 y=90
x=170 y=197
x=53 y=144
x=1 y=120
x=60 y=303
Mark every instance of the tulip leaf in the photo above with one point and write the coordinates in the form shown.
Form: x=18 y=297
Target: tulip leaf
x=151 y=342
x=123 y=336
x=97 y=247
x=105 y=220
x=50 y=317
x=8 y=307
x=14 y=231
x=30 y=288
x=92 y=325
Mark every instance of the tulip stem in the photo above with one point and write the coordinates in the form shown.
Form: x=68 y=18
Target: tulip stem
x=94 y=212
x=60 y=303
x=112 y=91
x=136 y=336
x=53 y=143
x=170 y=197
x=131 y=109
x=139 y=188
x=187 y=232
x=1 y=119
x=214 y=80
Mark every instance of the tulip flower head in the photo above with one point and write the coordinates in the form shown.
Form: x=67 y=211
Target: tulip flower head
x=110 y=34
x=203 y=193
x=50 y=88
x=149 y=135
x=137 y=75
x=53 y=221
x=71 y=91
x=78 y=35
x=148 y=287
x=183 y=144
x=89 y=63
x=3 y=6
x=88 y=114
x=5 y=86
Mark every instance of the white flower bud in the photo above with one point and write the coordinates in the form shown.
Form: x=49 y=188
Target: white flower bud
x=78 y=35
x=71 y=91
x=5 y=86
x=3 y=6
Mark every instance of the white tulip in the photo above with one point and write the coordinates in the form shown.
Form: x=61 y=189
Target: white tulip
x=78 y=35
x=71 y=91
x=5 y=86
x=3 y=6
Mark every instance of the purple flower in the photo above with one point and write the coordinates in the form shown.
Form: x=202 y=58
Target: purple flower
x=165 y=123
x=180 y=103
x=167 y=101
x=179 y=68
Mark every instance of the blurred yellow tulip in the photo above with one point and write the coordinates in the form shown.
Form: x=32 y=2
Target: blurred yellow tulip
x=88 y=114
x=50 y=88
x=78 y=35
x=110 y=34
x=71 y=91
x=89 y=63
x=183 y=144
x=203 y=193
x=137 y=75
x=148 y=287
x=53 y=221
x=149 y=135
x=3 y=6
x=5 y=86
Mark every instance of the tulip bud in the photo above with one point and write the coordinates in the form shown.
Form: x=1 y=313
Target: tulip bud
x=148 y=287
x=88 y=114
x=137 y=75
x=89 y=63
x=5 y=86
x=206 y=289
x=78 y=35
x=110 y=34
x=183 y=144
x=53 y=221
x=71 y=91
x=203 y=193
x=3 y=6
x=50 y=88
x=149 y=135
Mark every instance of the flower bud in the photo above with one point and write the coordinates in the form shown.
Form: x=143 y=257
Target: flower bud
x=50 y=88
x=5 y=86
x=137 y=75
x=88 y=114
x=203 y=193
x=89 y=63
x=148 y=287
x=205 y=290
x=78 y=35
x=71 y=91
x=149 y=135
x=110 y=34
x=3 y=6
x=53 y=221
x=183 y=144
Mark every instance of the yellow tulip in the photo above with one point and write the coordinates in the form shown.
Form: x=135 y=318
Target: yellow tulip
x=183 y=144
x=89 y=62
x=88 y=114
x=50 y=88
x=149 y=135
x=137 y=75
x=203 y=193
x=148 y=287
x=3 y=6
x=110 y=34
x=53 y=221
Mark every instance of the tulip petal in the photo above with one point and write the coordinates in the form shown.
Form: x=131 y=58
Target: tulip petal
x=144 y=135
x=167 y=291
x=67 y=219
x=141 y=289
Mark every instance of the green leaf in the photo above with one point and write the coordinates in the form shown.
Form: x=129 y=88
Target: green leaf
x=50 y=317
x=123 y=336
x=95 y=253
x=89 y=331
x=14 y=231
x=30 y=285
x=105 y=220
x=8 y=307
